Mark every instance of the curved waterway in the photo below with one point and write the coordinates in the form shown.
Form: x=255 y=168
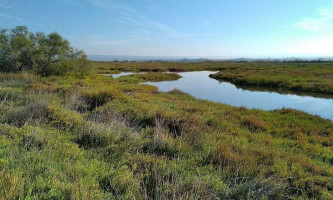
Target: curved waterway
x=200 y=85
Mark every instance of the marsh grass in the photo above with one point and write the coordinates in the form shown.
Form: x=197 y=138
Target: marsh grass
x=304 y=77
x=299 y=76
x=149 y=77
x=85 y=137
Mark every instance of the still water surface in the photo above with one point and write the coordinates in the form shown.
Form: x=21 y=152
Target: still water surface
x=200 y=85
x=120 y=74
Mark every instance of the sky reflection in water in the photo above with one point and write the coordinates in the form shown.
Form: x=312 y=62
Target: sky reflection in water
x=200 y=85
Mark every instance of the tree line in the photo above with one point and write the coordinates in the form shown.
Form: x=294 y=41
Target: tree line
x=43 y=54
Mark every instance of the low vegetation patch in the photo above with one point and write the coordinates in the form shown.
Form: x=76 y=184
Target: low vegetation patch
x=95 y=137
x=305 y=77
x=150 y=77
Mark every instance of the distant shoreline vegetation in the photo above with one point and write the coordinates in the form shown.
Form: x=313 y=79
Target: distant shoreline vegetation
x=129 y=58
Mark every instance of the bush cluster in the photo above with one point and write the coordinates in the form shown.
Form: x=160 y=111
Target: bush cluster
x=44 y=54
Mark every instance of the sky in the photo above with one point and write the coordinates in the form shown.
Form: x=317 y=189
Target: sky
x=184 y=28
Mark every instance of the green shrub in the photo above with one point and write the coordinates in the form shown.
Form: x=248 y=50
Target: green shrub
x=99 y=97
x=31 y=112
x=266 y=189
x=64 y=119
x=10 y=94
x=45 y=55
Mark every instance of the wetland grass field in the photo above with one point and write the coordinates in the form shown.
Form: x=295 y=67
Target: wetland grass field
x=90 y=136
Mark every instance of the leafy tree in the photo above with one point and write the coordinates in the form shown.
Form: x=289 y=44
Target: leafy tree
x=5 y=52
x=21 y=45
x=44 y=54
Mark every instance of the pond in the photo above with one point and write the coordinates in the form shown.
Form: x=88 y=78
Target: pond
x=200 y=85
x=120 y=74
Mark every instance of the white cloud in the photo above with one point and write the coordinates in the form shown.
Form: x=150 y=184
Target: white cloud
x=129 y=15
x=99 y=40
x=312 y=46
x=111 y=6
x=10 y=17
x=323 y=22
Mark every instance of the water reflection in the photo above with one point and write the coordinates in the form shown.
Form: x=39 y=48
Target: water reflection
x=199 y=85
x=121 y=74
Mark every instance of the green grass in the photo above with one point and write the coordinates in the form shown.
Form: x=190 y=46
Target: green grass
x=296 y=77
x=150 y=77
x=96 y=137
x=292 y=76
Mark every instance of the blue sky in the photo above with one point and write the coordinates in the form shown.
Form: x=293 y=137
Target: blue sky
x=189 y=28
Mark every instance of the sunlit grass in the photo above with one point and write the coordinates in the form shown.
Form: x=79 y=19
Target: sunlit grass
x=96 y=137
